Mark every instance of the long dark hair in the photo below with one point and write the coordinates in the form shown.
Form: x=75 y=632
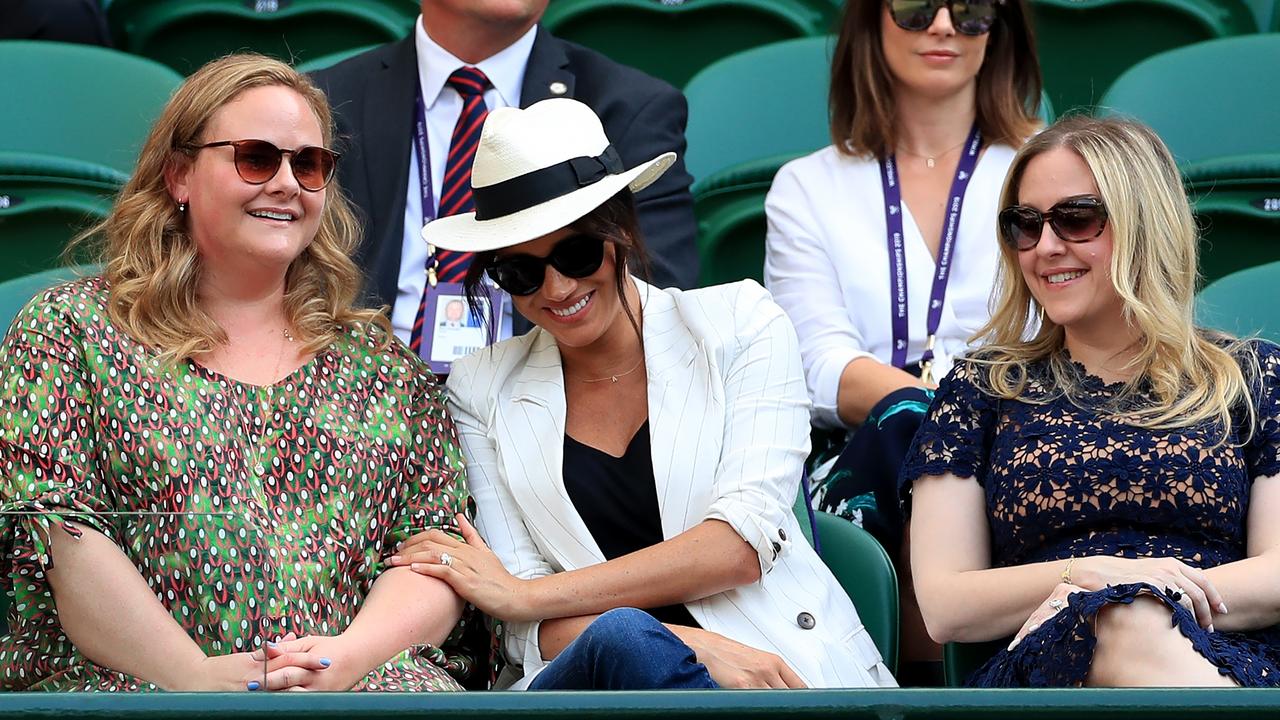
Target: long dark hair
x=616 y=222
x=861 y=96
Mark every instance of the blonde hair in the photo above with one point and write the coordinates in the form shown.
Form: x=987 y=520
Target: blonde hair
x=151 y=262
x=1190 y=375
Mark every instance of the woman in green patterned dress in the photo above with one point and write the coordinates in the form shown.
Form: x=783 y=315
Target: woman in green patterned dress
x=207 y=446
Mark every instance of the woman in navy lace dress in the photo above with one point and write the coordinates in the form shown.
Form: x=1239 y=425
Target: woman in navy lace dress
x=1105 y=490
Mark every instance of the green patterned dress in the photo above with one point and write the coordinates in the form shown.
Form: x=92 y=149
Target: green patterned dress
x=250 y=511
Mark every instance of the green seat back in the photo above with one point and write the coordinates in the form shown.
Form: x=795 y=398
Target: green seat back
x=1243 y=303
x=15 y=293
x=865 y=572
x=675 y=41
x=767 y=100
x=731 y=221
x=44 y=202
x=1084 y=45
x=959 y=660
x=1205 y=101
x=185 y=35
x=1237 y=204
x=78 y=101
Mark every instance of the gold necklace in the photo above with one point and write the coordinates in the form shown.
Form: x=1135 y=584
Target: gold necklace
x=931 y=160
x=614 y=378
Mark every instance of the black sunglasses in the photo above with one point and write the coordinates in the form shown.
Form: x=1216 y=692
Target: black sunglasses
x=969 y=17
x=257 y=161
x=576 y=256
x=1080 y=218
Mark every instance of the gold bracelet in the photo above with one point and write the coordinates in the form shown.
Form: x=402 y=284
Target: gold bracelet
x=1066 y=572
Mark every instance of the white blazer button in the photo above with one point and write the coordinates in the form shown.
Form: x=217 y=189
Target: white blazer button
x=805 y=621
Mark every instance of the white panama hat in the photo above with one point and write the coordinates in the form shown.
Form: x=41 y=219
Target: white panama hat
x=536 y=171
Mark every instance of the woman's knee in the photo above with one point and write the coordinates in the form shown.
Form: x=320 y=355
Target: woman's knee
x=1142 y=621
x=622 y=627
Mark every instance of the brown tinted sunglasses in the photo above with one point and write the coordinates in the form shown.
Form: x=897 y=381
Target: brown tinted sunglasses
x=257 y=161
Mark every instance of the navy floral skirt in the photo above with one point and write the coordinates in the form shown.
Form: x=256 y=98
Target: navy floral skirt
x=862 y=484
x=1060 y=652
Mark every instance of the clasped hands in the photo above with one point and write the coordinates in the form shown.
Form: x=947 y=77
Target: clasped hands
x=292 y=663
x=471 y=569
x=1182 y=583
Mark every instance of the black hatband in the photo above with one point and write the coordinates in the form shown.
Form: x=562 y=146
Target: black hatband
x=525 y=191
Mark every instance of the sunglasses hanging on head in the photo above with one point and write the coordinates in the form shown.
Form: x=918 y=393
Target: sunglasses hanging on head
x=257 y=161
x=1075 y=219
x=576 y=256
x=972 y=17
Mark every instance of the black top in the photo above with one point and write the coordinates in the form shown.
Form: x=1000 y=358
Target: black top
x=618 y=501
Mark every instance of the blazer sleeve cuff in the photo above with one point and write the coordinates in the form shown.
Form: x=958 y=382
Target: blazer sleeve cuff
x=824 y=384
x=522 y=647
x=769 y=539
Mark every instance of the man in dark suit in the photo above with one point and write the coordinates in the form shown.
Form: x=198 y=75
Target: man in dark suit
x=373 y=95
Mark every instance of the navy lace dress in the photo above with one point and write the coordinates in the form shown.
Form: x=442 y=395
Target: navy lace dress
x=1063 y=479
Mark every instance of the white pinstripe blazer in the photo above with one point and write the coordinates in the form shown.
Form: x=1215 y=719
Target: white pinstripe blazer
x=729 y=431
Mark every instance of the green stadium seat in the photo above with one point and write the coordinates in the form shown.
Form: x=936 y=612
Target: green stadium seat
x=1085 y=45
x=1206 y=100
x=327 y=61
x=1237 y=205
x=865 y=572
x=675 y=41
x=80 y=102
x=1241 y=303
x=44 y=202
x=15 y=293
x=767 y=100
x=731 y=220
x=186 y=35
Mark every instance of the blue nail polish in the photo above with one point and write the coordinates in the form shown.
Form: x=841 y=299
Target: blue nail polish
x=326 y=662
x=253 y=685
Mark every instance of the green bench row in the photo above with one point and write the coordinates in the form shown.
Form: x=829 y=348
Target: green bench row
x=922 y=704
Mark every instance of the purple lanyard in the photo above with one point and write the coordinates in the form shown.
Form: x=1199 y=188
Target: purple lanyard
x=946 y=248
x=422 y=152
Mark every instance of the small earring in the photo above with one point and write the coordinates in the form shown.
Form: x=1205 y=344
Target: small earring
x=182 y=207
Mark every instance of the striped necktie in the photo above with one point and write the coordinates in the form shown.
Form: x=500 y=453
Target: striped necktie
x=455 y=191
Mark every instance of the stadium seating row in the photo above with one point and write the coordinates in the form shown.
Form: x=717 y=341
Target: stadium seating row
x=59 y=165
x=674 y=40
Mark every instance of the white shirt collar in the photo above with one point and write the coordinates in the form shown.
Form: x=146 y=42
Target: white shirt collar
x=505 y=69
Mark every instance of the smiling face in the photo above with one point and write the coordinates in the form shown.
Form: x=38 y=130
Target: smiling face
x=1070 y=280
x=578 y=312
x=232 y=222
x=937 y=61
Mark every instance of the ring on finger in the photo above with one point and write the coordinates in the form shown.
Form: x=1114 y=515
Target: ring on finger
x=446 y=559
x=1173 y=592
x=1056 y=603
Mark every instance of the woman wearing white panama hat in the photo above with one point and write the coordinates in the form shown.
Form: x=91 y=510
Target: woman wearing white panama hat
x=640 y=448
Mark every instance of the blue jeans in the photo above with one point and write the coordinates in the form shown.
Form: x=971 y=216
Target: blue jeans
x=625 y=649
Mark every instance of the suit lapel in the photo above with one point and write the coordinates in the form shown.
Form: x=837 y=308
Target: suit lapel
x=548 y=64
x=387 y=135
x=535 y=428
x=686 y=412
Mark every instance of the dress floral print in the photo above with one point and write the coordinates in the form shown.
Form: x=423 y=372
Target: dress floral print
x=250 y=511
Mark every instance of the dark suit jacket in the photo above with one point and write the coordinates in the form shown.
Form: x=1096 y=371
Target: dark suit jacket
x=372 y=96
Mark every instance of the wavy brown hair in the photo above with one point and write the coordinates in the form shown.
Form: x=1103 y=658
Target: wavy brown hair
x=861 y=96
x=150 y=260
x=1192 y=375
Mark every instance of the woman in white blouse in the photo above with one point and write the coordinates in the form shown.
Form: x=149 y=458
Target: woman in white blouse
x=882 y=247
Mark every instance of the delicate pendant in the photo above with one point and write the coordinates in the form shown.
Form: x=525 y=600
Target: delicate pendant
x=928 y=162
x=613 y=378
